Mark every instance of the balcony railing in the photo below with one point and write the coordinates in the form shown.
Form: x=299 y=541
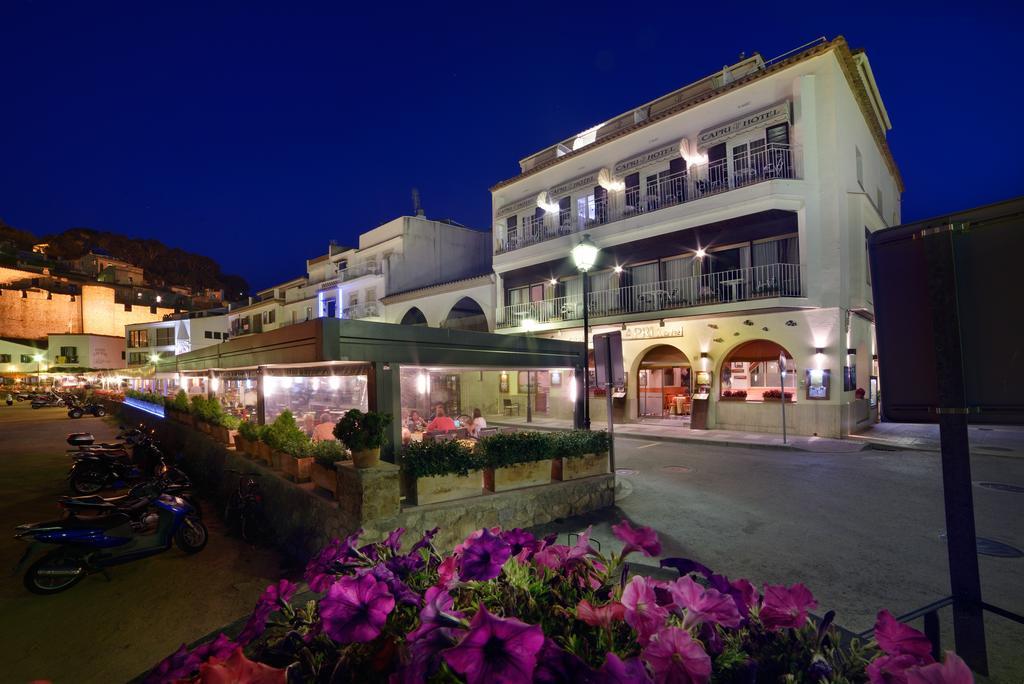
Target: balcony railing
x=368 y=310
x=359 y=270
x=743 y=284
x=771 y=162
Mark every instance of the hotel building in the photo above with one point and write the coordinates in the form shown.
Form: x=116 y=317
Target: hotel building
x=731 y=216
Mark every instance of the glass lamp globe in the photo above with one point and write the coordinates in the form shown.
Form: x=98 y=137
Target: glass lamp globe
x=585 y=254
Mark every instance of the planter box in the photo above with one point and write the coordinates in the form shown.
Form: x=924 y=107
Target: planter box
x=518 y=476
x=448 y=487
x=580 y=466
x=229 y=436
x=297 y=469
x=732 y=398
x=219 y=433
x=325 y=478
x=240 y=442
x=277 y=458
x=262 y=452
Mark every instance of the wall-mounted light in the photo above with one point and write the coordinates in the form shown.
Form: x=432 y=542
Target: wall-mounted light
x=623 y=326
x=851 y=351
x=791 y=323
x=554 y=281
x=819 y=350
x=334 y=382
x=874 y=357
x=748 y=322
x=617 y=269
x=662 y=323
x=421 y=383
x=700 y=253
x=703 y=355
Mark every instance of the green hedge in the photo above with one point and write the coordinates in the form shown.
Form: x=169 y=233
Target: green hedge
x=250 y=431
x=284 y=434
x=180 y=402
x=450 y=457
x=577 y=443
x=328 y=452
x=510 y=448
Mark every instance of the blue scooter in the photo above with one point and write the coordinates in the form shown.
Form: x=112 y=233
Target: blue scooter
x=86 y=546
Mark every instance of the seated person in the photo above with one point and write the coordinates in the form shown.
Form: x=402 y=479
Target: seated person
x=441 y=422
x=478 y=424
x=406 y=435
x=324 y=431
x=416 y=422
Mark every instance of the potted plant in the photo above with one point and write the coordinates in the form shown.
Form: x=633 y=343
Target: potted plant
x=776 y=395
x=579 y=453
x=284 y=436
x=248 y=437
x=227 y=428
x=734 y=395
x=179 y=405
x=442 y=471
x=363 y=434
x=326 y=455
x=513 y=460
x=860 y=393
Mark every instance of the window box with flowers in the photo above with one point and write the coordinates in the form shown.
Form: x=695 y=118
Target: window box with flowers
x=734 y=395
x=327 y=454
x=514 y=460
x=442 y=471
x=579 y=453
x=776 y=395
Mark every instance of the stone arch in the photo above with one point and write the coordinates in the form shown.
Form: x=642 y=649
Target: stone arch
x=656 y=364
x=765 y=354
x=466 y=314
x=414 y=317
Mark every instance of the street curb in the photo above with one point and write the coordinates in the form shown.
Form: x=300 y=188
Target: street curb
x=685 y=440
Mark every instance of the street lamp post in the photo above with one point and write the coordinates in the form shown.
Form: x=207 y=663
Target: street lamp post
x=782 y=374
x=584 y=255
x=39 y=372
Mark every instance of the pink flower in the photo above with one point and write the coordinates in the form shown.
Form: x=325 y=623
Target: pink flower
x=889 y=669
x=642 y=610
x=952 y=670
x=356 y=608
x=704 y=605
x=600 y=616
x=676 y=658
x=496 y=650
x=446 y=574
x=896 y=638
x=238 y=668
x=786 y=607
x=640 y=539
x=483 y=557
x=630 y=671
x=436 y=612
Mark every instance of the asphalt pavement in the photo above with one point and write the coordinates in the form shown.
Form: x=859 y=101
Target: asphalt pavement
x=863 y=530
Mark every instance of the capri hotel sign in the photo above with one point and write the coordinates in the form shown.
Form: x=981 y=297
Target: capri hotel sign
x=777 y=113
x=652 y=332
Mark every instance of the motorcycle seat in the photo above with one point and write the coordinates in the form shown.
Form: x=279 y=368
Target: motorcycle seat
x=106 y=522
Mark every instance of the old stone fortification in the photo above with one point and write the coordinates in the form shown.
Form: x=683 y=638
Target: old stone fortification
x=304 y=520
x=33 y=314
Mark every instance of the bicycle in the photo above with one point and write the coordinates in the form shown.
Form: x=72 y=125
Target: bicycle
x=244 y=513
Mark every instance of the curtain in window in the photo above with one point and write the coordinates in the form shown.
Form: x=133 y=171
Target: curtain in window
x=765 y=253
x=601 y=281
x=683 y=267
x=789 y=251
x=644 y=275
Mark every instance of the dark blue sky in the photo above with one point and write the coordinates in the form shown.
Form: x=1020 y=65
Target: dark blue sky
x=255 y=132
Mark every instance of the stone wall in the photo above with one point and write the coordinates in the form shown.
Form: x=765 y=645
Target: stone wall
x=304 y=520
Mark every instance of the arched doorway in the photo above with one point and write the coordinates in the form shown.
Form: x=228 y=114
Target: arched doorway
x=466 y=315
x=752 y=369
x=414 y=317
x=664 y=384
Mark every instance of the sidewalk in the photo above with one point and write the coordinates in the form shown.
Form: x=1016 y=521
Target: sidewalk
x=673 y=433
x=995 y=440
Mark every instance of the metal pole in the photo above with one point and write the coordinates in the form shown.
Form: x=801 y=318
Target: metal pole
x=782 y=374
x=608 y=395
x=964 y=576
x=586 y=351
x=529 y=385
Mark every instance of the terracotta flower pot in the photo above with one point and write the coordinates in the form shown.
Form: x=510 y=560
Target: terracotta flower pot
x=367 y=458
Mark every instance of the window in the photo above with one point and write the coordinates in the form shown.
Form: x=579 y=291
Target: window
x=122 y=356
x=878 y=202
x=867 y=261
x=25 y=358
x=137 y=358
x=152 y=309
x=860 y=168
x=127 y=307
x=138 y=338
x=269 y=316
x=5 y=358
x=331 y=308
x=353 y=298
x=586 y=211
x=371 y=294
x=511 y=232
x=209 y=334
x=216 y=335
x=164 y=337
x=69 y=352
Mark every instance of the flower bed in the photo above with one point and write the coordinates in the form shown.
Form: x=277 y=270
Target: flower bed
x=516 y=459
x=507 y=607
x=734 y=395
x=442 y=471
x=579 y=453
x=776 y=395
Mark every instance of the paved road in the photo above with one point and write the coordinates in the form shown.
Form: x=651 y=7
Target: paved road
x=862 y=530
x=100 y=631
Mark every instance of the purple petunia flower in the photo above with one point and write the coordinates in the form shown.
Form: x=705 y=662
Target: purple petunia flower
x=896 y=638
x=555 y=665
x=483 y=557
x=642 y=539
x=684 y=566
x=394 y=539
x=952 y=670
x=786 y=607
x=675 y=657
x=425 y=655
x=282 y=591
x=642 y=610
x=399 y=589
x=317 y=573
x=402 y=566
x=889 y=669
x=356 y=608
x=743 y=593
x=221 y=647
x=630 y=671
x=436 y=613
x=425 y=540
x=178 y=665
x=496 y=650
x=703 y=605
x=519 y=539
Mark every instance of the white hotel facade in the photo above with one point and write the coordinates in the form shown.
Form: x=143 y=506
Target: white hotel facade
x=731 y=216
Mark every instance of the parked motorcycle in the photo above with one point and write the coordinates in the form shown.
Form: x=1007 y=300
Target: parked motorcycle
x=86 y=546
x=103 y=469
x=136 y=504
x=78 y=408
x=49 y=400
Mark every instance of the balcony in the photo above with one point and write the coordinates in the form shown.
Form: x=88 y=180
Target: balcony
x=368 y=310
x=360 y=270
x=738 y=285
x=772 y=162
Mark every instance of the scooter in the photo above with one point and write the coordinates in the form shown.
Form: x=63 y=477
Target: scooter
x=136 y=504
x=88 y=546
x=77 y=409
x=50 y=400
x=93 y=471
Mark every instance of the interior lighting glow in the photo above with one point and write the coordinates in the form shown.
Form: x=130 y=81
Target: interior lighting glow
x=572 y=389
x=214 y=384
x=700 y=254
x=618 y=269
x=286 y=382
x=269 y=385
x=314 y=384
x=421 y=383
x=334 y=382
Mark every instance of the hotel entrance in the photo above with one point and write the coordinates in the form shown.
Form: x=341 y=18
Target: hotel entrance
x=664 y=385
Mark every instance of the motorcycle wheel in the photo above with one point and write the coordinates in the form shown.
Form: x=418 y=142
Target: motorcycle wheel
x=100 y=412
x=192 y=536
x=75 y=413
x=87 y=481
x=54 y=573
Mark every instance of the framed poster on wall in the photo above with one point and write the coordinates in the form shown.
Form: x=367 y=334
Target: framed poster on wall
x=556 y=378
x=704 y=378
x=523 y=384
x=849 y=378
x=818 y=383
x=503 y=383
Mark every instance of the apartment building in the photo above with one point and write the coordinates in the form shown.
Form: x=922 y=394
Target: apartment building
x=146 y=343
x=731 y=216
x=403 y=255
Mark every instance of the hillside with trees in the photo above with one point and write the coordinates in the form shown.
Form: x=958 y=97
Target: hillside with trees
x=163 y=265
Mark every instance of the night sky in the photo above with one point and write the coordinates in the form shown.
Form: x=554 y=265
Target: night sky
x=256 y=132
